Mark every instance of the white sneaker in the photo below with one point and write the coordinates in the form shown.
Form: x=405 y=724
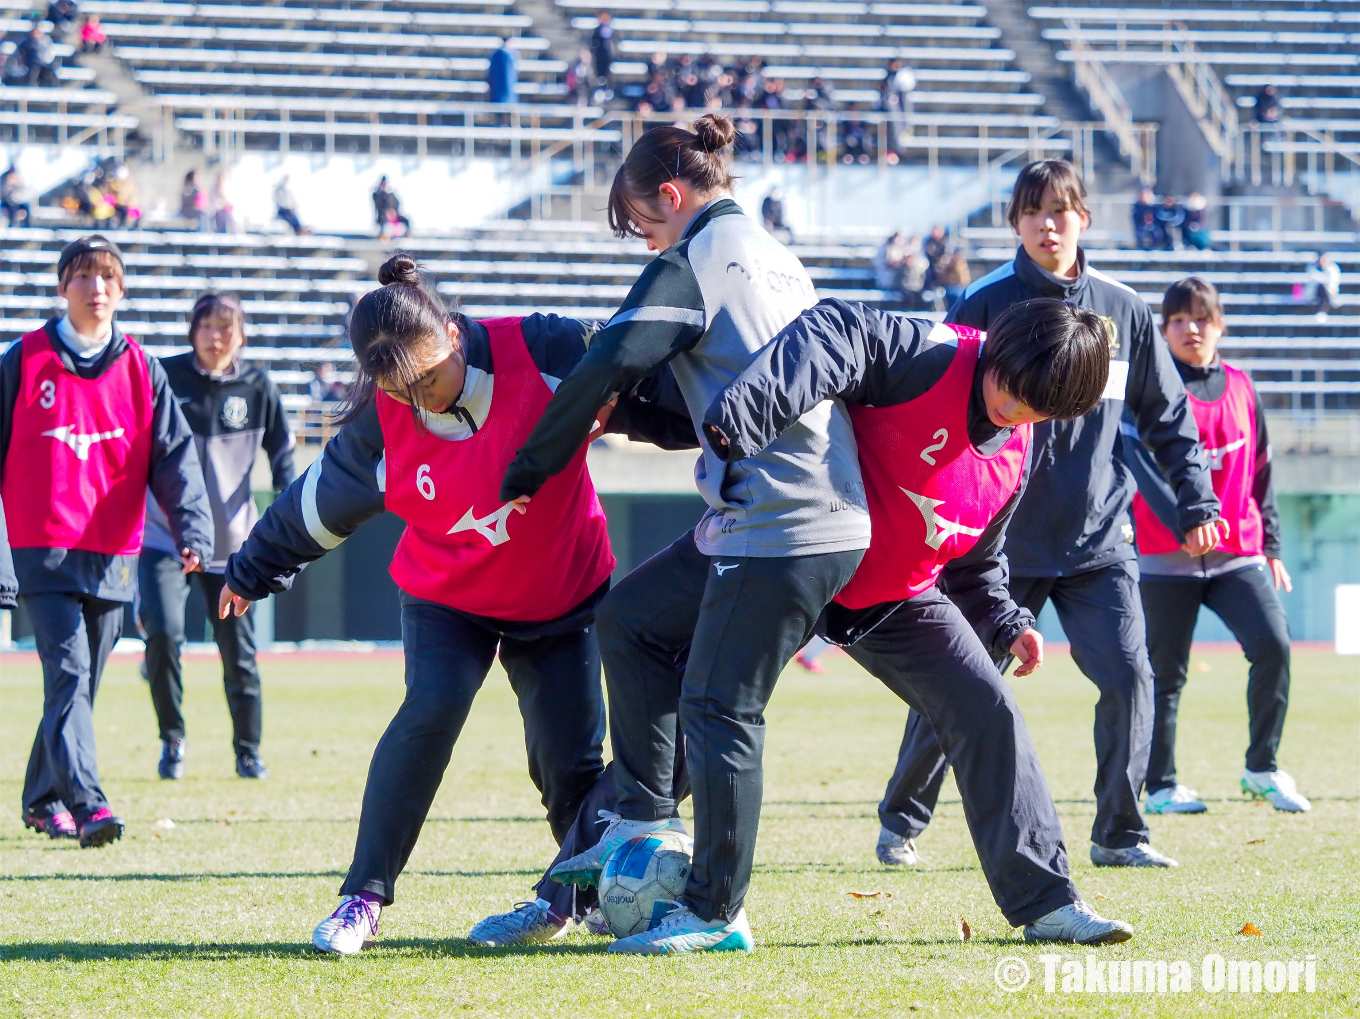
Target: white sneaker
x=1176 y=799
x=1141 y=855
x=529 y=923
x=895 y=851
x=596 y=923
x=1277 y=787
x=1078 y=924
x=583 y=869
x=682 y=931
x=344 y=932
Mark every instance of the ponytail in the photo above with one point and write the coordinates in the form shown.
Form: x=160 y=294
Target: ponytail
x=664 y=154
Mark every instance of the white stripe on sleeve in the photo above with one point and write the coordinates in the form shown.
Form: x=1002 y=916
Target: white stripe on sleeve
x=659 y=313
x=319 y=532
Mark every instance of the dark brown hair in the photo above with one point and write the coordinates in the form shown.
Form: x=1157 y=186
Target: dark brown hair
x=213 y=303
x=1050 y=355
x=388 y=330
x=93 y=260
x=1036 y=177
x=664 y=154
x=1182 y=294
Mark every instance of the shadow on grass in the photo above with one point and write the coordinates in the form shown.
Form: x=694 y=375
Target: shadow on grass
x=82 y=951
x=266 y=875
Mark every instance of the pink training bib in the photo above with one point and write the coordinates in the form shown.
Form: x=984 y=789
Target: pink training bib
x=1227 y=430
x=79 y=453
x=462 y=546
x=930 y=493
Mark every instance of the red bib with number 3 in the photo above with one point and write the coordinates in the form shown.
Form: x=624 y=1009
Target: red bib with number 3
x=930 y=493
x=79 y=453
x=462 y=546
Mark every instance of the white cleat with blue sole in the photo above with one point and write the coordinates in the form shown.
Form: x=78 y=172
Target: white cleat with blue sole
x=681 y=931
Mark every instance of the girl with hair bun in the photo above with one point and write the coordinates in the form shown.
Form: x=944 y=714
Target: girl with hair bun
x=438 y=407
x=783 y=533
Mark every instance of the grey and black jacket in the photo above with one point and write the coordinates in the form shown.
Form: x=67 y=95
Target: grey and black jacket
x=878 y=359
x=704 y=307
x=233 y=416
x=1075 y=514
x=346 y=485
x=176 y=482
x=1207 y=384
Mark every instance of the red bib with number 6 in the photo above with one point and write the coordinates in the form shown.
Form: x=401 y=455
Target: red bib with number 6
x=930 y=493
x=462 y=546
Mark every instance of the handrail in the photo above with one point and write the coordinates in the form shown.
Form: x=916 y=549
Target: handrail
x=1204 y=94
x=1108 y=100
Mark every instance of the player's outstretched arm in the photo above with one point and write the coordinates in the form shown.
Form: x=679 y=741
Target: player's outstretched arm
x=835 y=349
x=343 y=488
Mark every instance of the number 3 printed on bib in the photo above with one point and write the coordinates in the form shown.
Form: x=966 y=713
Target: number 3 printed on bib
x=943 y=436
x=48 y=399
x=425 y=483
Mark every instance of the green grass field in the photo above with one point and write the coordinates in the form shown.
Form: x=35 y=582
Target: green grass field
x=213 y=918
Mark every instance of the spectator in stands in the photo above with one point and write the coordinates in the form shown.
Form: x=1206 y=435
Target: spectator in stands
x=819 y=96
x=772 y=214
x=894 y=98
x=578 y=77
x=387 y=211
x=889 y=262
x=1324 y=285
x=193 y=203
x=1170 y=217
x=325 y=388
x=16 y=199
x=1268 y=105
x=954 y=277
x=502 y=76
x=856 y=142
x=1195 y=228
x=223 y=212
x=62 y=14
x=35 y=59
x=1147 y=232
x=914 y=271
x=602 y=53
x=122 y=193
x=936 y=250
x=285 y=205
x=92 y=36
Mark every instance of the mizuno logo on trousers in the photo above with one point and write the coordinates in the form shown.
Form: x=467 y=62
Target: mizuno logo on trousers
x=724 y=567
x=80 y=444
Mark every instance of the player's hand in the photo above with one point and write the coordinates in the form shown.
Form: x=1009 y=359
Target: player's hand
x=1202 y=539
x=521 y=504
x=602 y=419
x=230 y=601
x=1280 y=575
x=1029 y=652
x=192 y=563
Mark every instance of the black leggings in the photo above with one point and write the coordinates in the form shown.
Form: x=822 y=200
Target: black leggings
x=556 y=679
x=1247 y=603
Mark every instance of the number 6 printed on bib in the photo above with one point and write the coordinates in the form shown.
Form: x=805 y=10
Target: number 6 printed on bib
x=425 y=483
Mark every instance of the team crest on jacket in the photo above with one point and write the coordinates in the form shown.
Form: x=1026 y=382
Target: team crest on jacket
x=234 y=411
x=1111 y=334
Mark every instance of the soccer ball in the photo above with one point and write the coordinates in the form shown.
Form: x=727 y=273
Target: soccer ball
x=639 y=875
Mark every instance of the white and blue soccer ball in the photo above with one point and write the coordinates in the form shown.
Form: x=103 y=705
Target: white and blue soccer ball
x=642 y=878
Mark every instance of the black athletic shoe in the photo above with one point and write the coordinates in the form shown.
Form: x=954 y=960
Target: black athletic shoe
x=172 y=759
x=60 y=825
x=99 y=829
x=249 y=765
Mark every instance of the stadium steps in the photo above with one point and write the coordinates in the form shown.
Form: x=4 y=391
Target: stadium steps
x=551 y=23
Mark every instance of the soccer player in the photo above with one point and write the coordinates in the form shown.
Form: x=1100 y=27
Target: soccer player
x=234 y=411
x=783 y=532
x=1238 y=579
x=1071 y=540
x=87 y=423
x=439 y=407
x=943 y=424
